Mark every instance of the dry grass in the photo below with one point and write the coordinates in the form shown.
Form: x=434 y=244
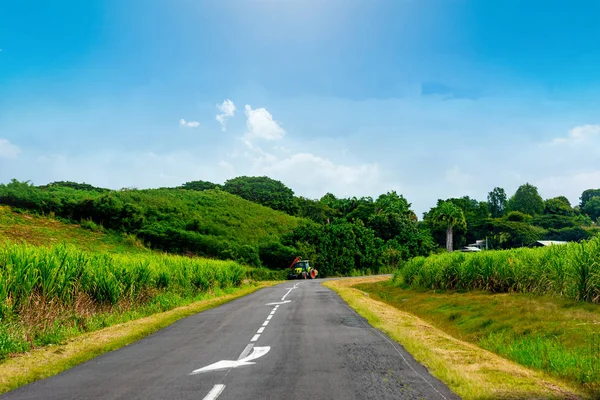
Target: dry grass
x=471 y=372
x=46 y=362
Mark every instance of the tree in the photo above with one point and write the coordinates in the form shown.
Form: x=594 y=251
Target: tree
x=497 y=202
x=75 y=185
x=592 y=208
x=391 y=202
x=315 y=210
x=558 y=206
x=587 y=195
x=476 y=214
x=199 y=185
x=263 y=190
x=448 y=215
x=527 y=200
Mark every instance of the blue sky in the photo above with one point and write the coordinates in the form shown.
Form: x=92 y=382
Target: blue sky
x=432 y=99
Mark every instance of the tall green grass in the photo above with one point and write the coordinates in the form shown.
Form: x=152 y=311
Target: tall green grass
x=61 y=274
x=48 y=294
x=571 y=271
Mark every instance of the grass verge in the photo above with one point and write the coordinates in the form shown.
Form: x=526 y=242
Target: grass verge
x=468 y=370
x=46 y=362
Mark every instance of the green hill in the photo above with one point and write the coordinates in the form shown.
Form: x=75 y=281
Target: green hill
x=210 y=223
x=21 y=227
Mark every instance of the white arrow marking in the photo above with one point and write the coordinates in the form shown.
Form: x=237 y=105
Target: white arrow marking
x=257 y=352
x=215 y=392
x=281 y=302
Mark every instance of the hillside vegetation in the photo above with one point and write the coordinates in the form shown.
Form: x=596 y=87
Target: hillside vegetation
x=20 y=227
x=341 y=237
x=210 y=223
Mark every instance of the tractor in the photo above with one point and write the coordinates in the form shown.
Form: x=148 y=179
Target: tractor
x=301 y=269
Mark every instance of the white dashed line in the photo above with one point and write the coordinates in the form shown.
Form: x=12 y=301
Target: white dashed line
x=261 y=330
x=269 y=317
x=265 y=323
x=255 y=338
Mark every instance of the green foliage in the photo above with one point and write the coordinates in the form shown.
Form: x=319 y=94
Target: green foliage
x=517 y=216
x=574 y=234
x=508 y=234
x=497 y=202
x=62 y=273
x=314 y=210
x=571 y=271
x=558 y=206
x=476 y=213
x=76 y=186
x=276 y=255
x=211 y=223
x=391 y=202
x=587 y=195
x=339 y=247
x=527 y=200
x=263 y=190
x=592 y=208
x=446 y=216
x=555 y=221
x=199 y=185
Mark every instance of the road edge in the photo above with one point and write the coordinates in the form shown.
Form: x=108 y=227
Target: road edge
x=49 y=361
x=469 y=371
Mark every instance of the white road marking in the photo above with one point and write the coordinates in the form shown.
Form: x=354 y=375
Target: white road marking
x=261 y=330
x=265 y=323
x=257 y=352
x=255 y=338
x=215 y=392
x=277 y=304
x=269 y=317
x=289 y=291
x=246 y=351
x=272 y=312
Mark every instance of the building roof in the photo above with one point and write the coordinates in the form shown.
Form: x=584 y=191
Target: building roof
x=548 y=242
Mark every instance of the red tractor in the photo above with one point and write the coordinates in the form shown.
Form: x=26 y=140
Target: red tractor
x=301 y=269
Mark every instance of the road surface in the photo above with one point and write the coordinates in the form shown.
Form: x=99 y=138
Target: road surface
x=297 y=340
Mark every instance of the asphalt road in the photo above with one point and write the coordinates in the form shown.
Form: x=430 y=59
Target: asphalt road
x=313 y=346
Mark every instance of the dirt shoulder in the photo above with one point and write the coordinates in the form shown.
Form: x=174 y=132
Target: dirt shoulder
x=471 y=372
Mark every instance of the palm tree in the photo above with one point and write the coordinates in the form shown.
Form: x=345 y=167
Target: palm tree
x=448 y=215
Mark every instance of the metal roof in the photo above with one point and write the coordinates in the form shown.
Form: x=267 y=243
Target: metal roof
x=551 y=242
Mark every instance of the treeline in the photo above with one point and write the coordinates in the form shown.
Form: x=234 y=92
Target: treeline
x=260 y=222
x=513 y=222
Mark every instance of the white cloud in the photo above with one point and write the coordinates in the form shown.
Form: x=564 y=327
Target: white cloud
x=308 y=169
x=8 y=150
x=456 y=177
x=578 y=135
x=571 y=185
x=260 y=124
x=189 y=124
x=227 y=110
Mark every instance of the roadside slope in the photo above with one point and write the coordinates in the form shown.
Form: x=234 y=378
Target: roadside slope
x=471 y=372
